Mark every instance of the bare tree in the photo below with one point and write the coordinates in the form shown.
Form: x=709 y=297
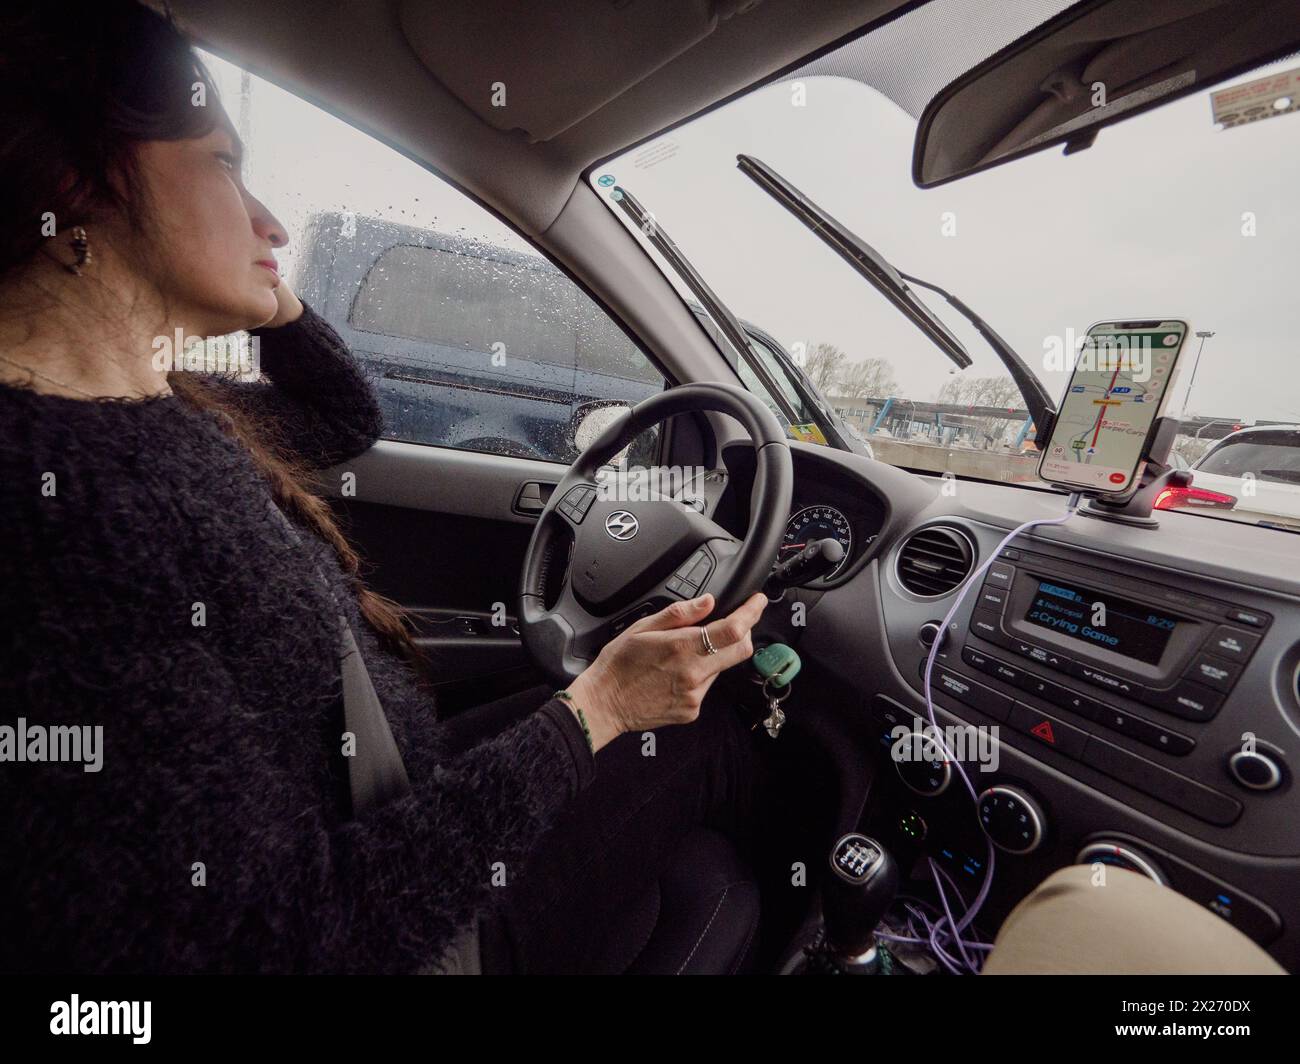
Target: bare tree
x=872 y=378
x=825 y=362
x=984 y=391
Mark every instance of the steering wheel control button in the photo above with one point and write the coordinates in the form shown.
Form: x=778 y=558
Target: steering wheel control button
x=1255 y=770
x=1013 y=820
x=692 y=574
x=576 y=502
x=644 y=610
x=1119 y=855
x=1048 y=730
x=1232 y=644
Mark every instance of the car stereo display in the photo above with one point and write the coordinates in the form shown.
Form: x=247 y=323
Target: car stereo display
x=1100 y=619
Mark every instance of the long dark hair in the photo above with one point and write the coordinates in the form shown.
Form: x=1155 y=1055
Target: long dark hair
x=81 y=85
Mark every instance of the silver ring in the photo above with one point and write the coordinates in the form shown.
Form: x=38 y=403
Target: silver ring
x=709 y=648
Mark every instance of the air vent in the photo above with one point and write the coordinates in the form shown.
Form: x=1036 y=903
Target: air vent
x=934 y=561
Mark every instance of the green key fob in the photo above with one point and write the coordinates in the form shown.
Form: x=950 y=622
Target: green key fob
x=777 y=664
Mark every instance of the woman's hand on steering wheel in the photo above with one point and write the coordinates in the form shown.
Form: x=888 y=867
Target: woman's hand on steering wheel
x=658 y=670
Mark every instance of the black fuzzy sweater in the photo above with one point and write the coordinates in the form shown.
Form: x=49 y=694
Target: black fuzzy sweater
x=216 y=836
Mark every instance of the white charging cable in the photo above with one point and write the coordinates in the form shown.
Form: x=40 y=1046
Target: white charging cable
x=948 y=930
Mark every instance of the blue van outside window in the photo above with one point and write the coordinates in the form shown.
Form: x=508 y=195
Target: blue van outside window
x=470 y=345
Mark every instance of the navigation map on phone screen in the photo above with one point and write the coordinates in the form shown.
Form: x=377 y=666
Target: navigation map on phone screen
x=1116 y=393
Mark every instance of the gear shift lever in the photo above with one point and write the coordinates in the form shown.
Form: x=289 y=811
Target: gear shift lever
x=862 y=885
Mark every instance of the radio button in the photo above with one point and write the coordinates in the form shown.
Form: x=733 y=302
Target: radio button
x=1040 y=687
x=999 y=575
x=1006 y=673
x=991 y=598
x=1043 y=656
x=1081 y=704
x=1234 y=644
x=1106 y=679
x=1214 y=672
x=1188 y=700
x=1048 y=730
x=977 y=659
x=987 y=625
x=972 y=694
x=1255 y=620
x=1145 y=732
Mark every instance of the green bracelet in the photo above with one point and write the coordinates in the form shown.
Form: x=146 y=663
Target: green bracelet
x=582 y=718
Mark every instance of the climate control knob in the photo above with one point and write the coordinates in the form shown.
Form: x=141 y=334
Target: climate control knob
x=920 y=764
x=1014 y=821
x=1120 y=855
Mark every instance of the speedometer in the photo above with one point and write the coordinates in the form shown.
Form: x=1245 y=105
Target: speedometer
x=813 y=523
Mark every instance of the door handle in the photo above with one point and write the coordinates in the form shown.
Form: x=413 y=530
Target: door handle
x=532 y=497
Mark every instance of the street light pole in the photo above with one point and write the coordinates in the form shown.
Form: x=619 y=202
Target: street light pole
x=1204 y=334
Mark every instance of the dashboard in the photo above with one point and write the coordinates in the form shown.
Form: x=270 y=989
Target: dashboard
x=827 y=503
x=1141 y=686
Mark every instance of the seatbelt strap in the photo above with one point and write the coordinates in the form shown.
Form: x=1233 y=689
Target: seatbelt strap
x=376 y=772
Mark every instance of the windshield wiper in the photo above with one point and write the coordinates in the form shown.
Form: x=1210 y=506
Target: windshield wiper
x=893 y=285
x=1041 y=407
x=727 y=322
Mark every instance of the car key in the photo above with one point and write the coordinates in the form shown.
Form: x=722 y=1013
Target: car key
x=776 y=716
x=776 y=662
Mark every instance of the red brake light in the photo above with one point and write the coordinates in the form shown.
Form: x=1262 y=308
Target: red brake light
x=1173 y=498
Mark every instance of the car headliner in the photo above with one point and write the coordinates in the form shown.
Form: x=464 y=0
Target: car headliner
x=356 y=58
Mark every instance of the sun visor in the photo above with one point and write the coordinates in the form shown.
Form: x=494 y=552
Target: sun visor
x=542 y=68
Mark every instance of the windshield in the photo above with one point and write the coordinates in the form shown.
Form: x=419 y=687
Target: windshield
x=1166 y=216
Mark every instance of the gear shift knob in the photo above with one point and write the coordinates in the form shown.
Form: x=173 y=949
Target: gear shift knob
x=862 y=884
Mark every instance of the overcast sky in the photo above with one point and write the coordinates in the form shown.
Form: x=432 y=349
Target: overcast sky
x=1148 y=222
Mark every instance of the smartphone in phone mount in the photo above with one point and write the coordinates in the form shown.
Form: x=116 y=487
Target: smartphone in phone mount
x=1110 y=420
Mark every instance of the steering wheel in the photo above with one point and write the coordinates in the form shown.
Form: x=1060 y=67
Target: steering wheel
x=632 y=558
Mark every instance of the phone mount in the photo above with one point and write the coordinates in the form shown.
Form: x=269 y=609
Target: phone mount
x=1134 y=506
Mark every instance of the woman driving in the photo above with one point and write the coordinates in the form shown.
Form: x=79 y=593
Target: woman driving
x=178 y=592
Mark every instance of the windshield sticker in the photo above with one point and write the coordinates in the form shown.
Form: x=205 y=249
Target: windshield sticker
x=654 y=154
x=1277 y=94
x=809 y=433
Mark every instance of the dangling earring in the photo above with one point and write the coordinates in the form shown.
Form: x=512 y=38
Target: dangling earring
x=81 y=248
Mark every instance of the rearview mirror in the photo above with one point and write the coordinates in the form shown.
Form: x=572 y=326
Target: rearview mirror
x=1097 y=63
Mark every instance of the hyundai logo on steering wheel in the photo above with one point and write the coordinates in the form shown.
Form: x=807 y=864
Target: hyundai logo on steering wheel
x=621 y=525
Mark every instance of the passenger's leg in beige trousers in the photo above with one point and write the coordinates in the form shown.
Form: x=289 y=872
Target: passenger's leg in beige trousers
x=1100 y=920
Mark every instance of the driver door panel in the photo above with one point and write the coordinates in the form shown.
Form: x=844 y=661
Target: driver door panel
x=443 y=532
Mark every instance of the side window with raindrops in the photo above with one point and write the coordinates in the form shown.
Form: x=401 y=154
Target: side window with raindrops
x=470 y=337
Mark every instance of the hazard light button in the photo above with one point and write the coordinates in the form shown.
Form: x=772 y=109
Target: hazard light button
x=1048 y=730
